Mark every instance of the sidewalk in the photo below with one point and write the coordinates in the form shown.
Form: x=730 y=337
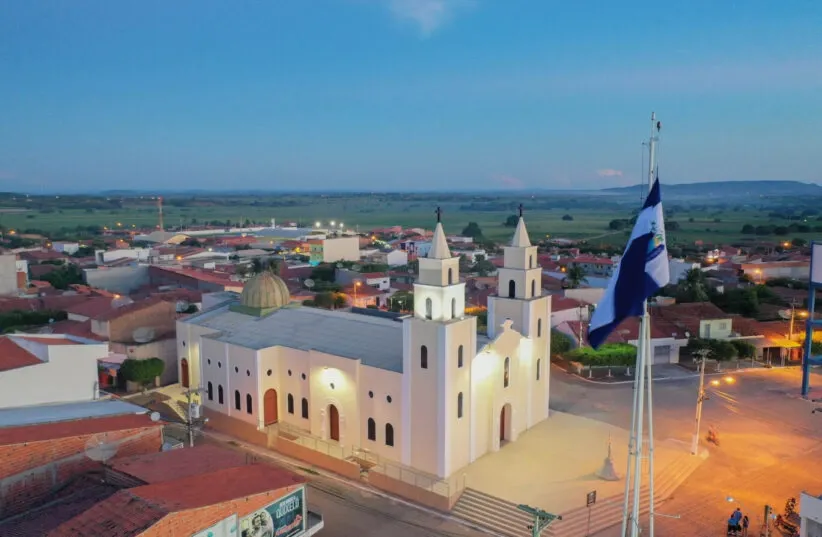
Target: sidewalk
x=660 y=372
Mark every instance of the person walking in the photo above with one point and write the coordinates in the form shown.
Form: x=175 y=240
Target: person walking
x=745 y=523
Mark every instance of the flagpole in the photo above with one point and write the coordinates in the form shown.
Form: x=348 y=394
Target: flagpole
x=631 y=447
x=647 y=344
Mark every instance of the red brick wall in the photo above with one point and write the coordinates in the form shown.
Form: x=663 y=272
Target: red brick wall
x=161 y=316
x=31 y=471
x=194 y=520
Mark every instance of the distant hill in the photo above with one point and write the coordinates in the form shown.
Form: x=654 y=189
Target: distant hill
x=729 y=188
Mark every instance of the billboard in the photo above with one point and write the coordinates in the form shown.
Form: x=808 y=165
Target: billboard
x=224 y=528
x=816 y=263
x=283 y=518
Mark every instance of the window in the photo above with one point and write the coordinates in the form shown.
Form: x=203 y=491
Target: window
x=459 y=355
x=248 y=402
x=453 y=308
x=723 y=326
x=210 y=392
x=539 y=364
x=539 y=327
x=459 y=405
x=428 y=309
x=237 y=400
x=531 y=261
x=220 y=393
x=505 y=377
x=305 y=408
x=424 y=357
x=290 y=404
x=372 y=429
x=450 y=276
x=533 y=288
x=389 y=434
x=512 y=289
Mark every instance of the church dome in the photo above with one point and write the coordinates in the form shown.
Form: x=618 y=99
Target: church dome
x=265 y=291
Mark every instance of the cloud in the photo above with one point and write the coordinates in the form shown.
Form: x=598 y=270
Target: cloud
x=508 y=181
x=428 y=15
x=608 y=172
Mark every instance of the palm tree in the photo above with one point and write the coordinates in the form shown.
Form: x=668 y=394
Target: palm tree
x=693 y=287
x=261 y=265
x=575 y=277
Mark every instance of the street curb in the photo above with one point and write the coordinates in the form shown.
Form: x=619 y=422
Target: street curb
x=300 y=467
x=689 y=376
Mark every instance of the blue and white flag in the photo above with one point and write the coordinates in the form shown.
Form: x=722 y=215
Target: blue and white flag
x=642 y=271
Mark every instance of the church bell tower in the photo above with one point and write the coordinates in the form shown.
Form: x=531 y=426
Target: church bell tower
x=439 y=344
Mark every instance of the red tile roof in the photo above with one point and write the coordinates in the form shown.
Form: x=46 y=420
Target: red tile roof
x=49 y=340
x=63 y=429
x=592 y=260
x=361 y=291
x=75 y=328
x=373 y=275
x=199 y=490
x=561 y=303
x=122 y=515
x=178 y=463
x=12 y=356
x=91 y=307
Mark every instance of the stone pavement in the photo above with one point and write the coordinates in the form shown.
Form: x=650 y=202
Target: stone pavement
x=553 y=465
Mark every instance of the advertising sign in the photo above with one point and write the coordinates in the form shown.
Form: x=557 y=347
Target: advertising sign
x=283 y=518
x=816 y=263
x=224 y=528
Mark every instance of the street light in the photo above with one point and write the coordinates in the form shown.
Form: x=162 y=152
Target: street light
x=759 y=275
x=356 y=285
x=317 y=224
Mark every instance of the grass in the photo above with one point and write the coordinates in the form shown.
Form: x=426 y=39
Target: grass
x=365 y=212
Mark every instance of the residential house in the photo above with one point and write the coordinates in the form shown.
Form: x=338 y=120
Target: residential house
x=333 y=249
x=761 y=271
x=591 y=265
x=568 y=309
x=392 y=258
x=68 y=248
x=679 y=268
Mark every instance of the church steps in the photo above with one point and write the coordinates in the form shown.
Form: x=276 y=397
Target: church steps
x=504 y=518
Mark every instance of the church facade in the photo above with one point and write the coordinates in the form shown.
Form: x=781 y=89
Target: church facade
x=426 y=390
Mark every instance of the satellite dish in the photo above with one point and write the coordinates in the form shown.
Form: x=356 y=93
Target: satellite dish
x=182 y=305
x=785 y=314
x=340 y=265
x=119 y=302
x=155 y=416
x=309 y=283
x=98 y=449
x=143 y=334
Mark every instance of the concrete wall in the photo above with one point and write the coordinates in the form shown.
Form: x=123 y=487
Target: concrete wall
x=69 y=375
x=376 y=386
x=122 y=280
x=8 y=275
x=590 y=295
x=341 y=249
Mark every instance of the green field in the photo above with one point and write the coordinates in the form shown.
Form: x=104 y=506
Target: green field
x=591 y=216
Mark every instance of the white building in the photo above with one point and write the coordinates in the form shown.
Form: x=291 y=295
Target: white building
x=67 y=248
x=679 y=268
x=8 y=275
x=810 y=513
x=107 y=256
x=392 y=258
x=425 y=391
x=44 y=369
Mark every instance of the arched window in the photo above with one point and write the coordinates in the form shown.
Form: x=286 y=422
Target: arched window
x=389 y=434
x=533 y=288
x=220 y=393
x=453 y=308
x=290 y=404
x=460 y=351
x=372 y=429
x=531 y=261
x=429 y=306
x=539 y=327
x=210 y=392
x=539 y=364
x=506 y=373
x=459 y=405
x=450 y=276
x=237 y=404
x=305 y=408
x=424 y=357
x=512 y=289
x=248 y=402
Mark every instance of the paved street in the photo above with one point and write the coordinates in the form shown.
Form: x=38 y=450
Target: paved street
x=770 y=442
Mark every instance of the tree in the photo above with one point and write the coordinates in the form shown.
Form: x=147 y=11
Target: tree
x=259 y=265
x=482 y=266
x=575 y=276
x=340 y=300
x=560 y=343
x=799 y=242
x=464 y=264
x=693 y=288
x=324 y=300
x=567 y=217
x=64 y=276
x=472 y=230
x=748 y=229
x=511 y=221
x=616 y=225
x=401 y=301
x=142 y=372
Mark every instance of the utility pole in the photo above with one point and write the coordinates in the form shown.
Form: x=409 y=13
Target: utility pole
x=542 y=519
x=700 y=398
x=192 y=423
x=581 y=324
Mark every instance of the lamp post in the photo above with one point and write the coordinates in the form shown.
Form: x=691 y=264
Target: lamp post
x=700 y=398
x=790 y=327
x=356 y=286
x=759 y=275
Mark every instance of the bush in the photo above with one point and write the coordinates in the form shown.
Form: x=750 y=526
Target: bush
x=560 y=343
x=744 y=349
x=142 y=372
x=718 y=349
x=608 y=354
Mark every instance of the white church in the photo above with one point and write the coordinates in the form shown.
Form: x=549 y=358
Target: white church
x=426 y=390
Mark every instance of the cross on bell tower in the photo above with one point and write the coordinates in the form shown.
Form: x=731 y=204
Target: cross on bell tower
x=439 y=214
x=520 y=210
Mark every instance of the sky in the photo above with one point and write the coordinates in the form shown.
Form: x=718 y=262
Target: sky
x=382 y=95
